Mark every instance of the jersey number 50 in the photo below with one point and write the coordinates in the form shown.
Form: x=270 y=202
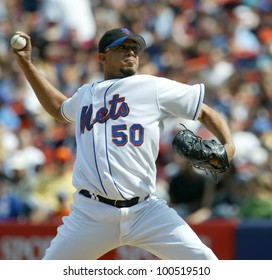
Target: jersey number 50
x=121 y=134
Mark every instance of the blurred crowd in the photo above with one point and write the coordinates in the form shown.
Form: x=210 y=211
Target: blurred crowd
x=225 y=44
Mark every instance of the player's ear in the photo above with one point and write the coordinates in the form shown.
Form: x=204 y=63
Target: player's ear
x=102 y=58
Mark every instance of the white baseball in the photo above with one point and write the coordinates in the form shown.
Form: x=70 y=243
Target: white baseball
x=18 y=42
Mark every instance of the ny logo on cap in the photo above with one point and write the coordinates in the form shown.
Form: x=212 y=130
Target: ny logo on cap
x=125 y=30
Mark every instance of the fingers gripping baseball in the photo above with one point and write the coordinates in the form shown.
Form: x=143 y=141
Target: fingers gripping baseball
x=18 y=42
x=21 y=47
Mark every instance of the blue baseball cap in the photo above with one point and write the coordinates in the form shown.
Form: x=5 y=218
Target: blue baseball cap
x=117 y=36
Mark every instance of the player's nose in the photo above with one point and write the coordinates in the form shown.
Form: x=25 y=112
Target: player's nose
x=132 y=49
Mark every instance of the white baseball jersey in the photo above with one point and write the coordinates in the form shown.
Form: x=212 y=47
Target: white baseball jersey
x=118 y=126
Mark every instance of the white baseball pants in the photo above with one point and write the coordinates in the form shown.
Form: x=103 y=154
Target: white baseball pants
x=93 y=228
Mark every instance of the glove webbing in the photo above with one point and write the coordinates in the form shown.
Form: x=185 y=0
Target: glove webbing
x=215 y=172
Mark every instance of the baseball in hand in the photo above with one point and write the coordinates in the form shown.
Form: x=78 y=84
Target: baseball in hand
x=18 y=42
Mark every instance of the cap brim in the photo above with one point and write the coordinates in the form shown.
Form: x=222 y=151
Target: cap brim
x=137 y=38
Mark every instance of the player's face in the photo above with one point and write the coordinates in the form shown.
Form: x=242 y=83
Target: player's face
x=121 y=61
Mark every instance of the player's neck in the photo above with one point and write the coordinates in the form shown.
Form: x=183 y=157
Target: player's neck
x=121 y=75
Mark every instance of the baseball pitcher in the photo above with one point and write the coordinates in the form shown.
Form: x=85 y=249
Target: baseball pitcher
x=118 y=122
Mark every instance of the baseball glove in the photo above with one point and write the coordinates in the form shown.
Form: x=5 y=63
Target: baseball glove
x=202 y=154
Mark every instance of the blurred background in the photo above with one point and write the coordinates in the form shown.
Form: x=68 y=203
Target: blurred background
x=225 y=44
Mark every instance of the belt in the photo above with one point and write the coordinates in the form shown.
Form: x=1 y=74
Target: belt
x=116 y=203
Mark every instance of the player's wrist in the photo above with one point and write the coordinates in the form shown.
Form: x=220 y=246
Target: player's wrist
x=230 y=150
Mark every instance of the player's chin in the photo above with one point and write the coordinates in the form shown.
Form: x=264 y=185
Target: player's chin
x=128 y=71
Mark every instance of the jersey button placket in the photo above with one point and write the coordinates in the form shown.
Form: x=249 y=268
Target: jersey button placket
x=99 y=141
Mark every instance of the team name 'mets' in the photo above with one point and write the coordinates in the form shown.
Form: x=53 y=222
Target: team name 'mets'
x=118 y=108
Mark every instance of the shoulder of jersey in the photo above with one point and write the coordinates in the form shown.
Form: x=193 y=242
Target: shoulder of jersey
x=86 y=87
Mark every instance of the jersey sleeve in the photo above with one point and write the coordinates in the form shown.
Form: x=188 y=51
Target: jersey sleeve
x=70 y=106
x=180 y=100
